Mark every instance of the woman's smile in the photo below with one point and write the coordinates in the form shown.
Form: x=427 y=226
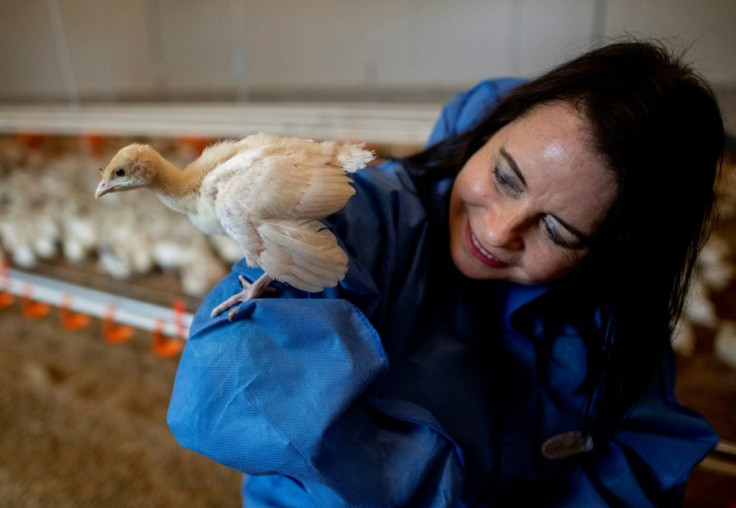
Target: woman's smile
x=480 y=253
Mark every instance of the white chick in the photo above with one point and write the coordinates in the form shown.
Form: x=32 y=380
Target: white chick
x=17 y=237
x=265 y=192
x=113 y=264
x=46 y=232
x=699 y=309
x=200 y=270
x=724 y=343
x=122 y=251
x=684 y=338
x=79 y=236
x=124 y=259
x=167 y=254
x=171 y=238
x=226 y=248
x=714 y=265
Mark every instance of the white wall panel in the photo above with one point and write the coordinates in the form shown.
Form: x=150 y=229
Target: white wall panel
x=28 y=59
x=195 y=44
x=180 y=48
x=109 y=46
x=706 y=29
x=550 y=32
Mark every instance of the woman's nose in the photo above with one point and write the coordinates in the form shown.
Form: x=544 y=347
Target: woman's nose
x=504 y=227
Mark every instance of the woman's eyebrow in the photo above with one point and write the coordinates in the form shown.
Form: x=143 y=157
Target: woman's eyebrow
x=514 y=166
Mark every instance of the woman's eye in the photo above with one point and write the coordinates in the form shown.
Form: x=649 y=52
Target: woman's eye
x=552 y=231
x=507 y=181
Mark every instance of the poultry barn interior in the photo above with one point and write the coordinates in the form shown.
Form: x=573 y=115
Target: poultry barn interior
x=96 y=296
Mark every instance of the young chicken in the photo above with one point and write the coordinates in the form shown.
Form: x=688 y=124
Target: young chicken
x=267 y=193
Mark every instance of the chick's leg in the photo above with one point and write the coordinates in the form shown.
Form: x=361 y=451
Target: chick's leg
x=249 y=292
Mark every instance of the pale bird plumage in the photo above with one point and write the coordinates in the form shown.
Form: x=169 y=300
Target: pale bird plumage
x=267 y=193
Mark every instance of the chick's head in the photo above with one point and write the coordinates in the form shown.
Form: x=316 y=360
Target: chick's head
x=133 y=167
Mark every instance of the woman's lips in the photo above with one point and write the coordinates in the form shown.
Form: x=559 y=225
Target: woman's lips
x=479 y=252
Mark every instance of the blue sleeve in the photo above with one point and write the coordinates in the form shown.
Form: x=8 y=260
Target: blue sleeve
x=467 y=108
x=282 y=391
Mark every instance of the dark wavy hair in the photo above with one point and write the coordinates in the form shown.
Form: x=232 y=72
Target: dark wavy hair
x=658 y=126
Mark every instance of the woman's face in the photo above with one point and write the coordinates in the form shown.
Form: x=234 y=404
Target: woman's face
x=526 y=204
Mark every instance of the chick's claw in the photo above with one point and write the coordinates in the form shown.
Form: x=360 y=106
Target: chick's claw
x=250 y=291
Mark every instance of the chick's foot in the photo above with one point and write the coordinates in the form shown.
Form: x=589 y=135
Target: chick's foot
x=250 y=291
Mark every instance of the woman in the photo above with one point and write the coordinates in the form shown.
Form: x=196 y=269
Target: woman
x=502 y=335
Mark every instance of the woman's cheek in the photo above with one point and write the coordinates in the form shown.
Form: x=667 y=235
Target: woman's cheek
x=548 y=265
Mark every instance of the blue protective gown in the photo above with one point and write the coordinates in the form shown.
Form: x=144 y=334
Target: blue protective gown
x=410 y=385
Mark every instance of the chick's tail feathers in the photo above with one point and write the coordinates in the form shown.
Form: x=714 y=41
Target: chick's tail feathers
x=352 y=157
x=303 y=254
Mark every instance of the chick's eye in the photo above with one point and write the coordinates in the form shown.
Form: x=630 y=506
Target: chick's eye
x=120 y=172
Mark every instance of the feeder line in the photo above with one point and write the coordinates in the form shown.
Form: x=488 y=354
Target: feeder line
x=95 y=303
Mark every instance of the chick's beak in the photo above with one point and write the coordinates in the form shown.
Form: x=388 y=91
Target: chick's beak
x=103 y=189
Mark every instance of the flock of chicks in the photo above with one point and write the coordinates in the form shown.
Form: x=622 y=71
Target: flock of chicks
x=48 y=209
x=714 y=273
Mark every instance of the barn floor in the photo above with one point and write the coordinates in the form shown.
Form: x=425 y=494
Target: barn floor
x=83 y=423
